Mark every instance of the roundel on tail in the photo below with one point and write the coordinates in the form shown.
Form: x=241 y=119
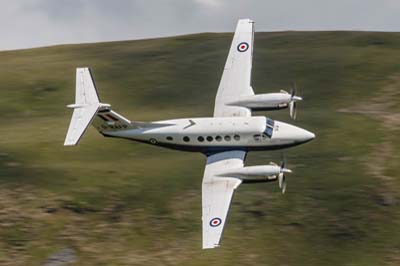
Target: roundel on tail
x=243 y=47
x=215 y=222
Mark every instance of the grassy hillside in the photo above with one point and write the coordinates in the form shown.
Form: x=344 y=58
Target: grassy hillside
x=114 y=202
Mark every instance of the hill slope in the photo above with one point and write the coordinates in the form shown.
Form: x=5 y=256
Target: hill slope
x=114 y=202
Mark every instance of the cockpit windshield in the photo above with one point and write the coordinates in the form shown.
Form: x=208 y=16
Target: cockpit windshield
x=270 y=122
x=270 y=127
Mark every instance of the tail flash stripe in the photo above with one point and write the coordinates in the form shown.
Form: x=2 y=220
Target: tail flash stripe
x=104 y=111
x=112 y=117
x=102 y=117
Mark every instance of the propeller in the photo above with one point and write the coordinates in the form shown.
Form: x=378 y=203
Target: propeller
x=293 y=100
x=282 y=178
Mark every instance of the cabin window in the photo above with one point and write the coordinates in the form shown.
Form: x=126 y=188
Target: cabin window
x=201 y=139
x=227 y=138
x=218 y=138
x=170 y=138
x=186 y=139
x=236 y=137
x=209 y=138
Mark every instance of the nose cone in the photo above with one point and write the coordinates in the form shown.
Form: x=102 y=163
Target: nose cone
x=306 y=135
x=287 y=132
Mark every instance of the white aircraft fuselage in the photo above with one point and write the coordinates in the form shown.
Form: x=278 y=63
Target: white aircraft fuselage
x=214 y=134
x=224 y=138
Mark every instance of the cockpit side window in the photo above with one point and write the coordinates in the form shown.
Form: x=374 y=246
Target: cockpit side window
x=270 y=127
x=269 y=131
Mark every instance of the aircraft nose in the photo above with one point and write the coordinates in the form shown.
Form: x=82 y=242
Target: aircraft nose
x=289 y=132
x=306 y=135
x=301 y=135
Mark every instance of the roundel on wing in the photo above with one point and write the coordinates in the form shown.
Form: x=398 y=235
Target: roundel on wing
x=243 y=47
x=215 y=222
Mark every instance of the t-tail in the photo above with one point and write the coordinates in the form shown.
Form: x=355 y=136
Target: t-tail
x=89 y=110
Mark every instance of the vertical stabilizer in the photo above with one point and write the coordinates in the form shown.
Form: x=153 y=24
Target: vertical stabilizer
x=86 y=106
x=86 y=92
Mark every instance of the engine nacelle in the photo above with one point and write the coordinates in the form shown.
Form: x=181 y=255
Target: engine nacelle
x=264 y=102
x=262 y=173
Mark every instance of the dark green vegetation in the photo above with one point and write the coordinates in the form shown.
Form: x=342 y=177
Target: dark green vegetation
x=115 y=202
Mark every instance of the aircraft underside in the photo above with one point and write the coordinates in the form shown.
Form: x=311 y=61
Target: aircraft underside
x=214 y=149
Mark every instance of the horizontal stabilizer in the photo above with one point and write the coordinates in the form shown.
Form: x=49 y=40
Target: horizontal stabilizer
x=81 y=119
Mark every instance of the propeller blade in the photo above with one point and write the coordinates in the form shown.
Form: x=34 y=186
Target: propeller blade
x=283 y=188
x=292 y=103
x=282 y=177
x=292 y=109
x=294 y=89
x=280 y=180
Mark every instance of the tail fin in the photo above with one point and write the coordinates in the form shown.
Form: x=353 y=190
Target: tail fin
x=89 y=110
x=86 y=106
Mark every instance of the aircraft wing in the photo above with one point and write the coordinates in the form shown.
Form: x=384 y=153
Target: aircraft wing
x=236 y=78
x=217 y=194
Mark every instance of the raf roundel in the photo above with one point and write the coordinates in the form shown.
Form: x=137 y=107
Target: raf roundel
x=243 y=47
x=215 y=222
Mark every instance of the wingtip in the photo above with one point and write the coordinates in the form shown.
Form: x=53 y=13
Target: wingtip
x=67 y=144
x=82 y=68
x=70 y=142
x=210 y=247
x=246 y=20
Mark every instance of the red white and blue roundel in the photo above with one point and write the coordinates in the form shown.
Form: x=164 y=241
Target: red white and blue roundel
x=215 y=222
x=243 y=47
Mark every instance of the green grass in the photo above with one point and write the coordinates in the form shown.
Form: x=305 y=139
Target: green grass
x=116 y=202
